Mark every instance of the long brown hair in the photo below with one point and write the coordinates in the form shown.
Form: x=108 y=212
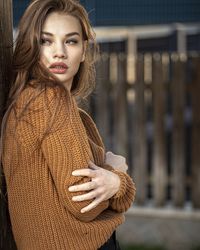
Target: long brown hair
x=25 y=62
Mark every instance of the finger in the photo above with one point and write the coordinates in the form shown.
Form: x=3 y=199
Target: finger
x=83 y=187
x=91 y=205
x=93 y=166
x=85 y=197
x=84 y=172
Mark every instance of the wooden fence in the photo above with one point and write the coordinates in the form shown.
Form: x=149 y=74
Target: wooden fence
x=147 y=109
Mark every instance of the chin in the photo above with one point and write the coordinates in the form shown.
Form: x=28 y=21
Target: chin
x=62 y=79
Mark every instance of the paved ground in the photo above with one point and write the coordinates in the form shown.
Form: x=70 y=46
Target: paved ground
x=173 y=229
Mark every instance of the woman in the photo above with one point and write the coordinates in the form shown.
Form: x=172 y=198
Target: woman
x=64 y=191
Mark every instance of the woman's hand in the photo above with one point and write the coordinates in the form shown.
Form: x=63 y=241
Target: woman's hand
x=116 y=161
x=103 y=185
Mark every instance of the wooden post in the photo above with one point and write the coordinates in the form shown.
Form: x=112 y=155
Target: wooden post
x=6 y=41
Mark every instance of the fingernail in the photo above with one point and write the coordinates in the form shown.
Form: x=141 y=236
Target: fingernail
x=82 y=211
x=74 y=173
x=70 y=189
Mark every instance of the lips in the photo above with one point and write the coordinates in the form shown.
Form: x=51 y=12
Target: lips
x=58 y=68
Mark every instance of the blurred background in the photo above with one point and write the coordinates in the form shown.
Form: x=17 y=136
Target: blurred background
x=146 y=105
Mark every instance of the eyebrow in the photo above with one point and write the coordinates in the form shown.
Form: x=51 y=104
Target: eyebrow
x=67 y=35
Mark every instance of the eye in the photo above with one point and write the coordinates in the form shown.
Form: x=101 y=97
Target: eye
x=45 y=41
x=72 y=41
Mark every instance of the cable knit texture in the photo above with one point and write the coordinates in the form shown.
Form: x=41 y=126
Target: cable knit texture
x=38 y=173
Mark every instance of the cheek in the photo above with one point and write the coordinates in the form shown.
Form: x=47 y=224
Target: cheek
x=77 y=58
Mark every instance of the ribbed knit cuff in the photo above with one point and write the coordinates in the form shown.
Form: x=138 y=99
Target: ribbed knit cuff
x=122 y=188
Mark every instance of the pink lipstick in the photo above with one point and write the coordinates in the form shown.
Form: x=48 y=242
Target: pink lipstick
x=58 y=68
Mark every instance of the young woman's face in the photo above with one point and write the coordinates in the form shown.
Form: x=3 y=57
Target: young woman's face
x=62 y=46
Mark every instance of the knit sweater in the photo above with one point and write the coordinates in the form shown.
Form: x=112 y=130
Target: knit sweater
x=38 y=171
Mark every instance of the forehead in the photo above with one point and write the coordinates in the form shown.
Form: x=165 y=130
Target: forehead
x=61 y=24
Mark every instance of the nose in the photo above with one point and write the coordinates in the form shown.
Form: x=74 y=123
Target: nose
x=60 y=51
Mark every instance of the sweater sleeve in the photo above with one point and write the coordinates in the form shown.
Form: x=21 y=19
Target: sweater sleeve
x=123 y=199
x=65 y=148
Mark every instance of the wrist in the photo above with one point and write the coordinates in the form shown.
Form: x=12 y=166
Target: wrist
x=118 y=183
x=122 y=184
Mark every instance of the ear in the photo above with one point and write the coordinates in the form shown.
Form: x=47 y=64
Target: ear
x=85 y=44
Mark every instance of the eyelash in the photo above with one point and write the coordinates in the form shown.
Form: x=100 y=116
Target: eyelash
x=74 y=41
x=44 y=40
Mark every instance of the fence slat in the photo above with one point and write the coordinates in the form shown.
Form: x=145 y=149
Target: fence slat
x=139 y=138
x=196 y=136
x=178 y=133
x=101 y=94
x=159 y=150
x=120 y=107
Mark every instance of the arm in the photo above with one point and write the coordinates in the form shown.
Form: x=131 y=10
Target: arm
x=106 y=184
x=65 y=148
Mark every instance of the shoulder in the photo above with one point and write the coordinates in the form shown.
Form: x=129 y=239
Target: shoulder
x=42 y=110
x=38 y=95
x=47 y=98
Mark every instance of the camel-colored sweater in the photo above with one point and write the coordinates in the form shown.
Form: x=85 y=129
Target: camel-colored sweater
x=38 y=171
